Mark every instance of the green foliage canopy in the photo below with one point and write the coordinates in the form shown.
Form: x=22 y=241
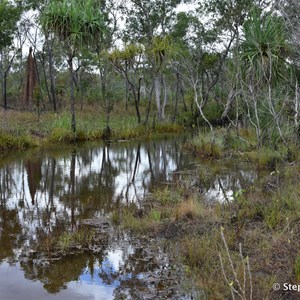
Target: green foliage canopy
x=9 y=16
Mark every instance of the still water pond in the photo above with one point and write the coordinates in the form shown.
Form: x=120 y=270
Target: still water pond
x=44 y=194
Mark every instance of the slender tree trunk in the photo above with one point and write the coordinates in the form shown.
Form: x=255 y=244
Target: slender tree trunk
x=126 y=95
x=105 y=98
x=103 y=85
x=21 y=70
x=296 y=105
x=257 y=125
x=72 y=96
x=231 y=96
x=4 y=73
x=165 y=97
x=176 y=101
x=45 y=78
x=213 y=82
x=183 y=100
x=275 y=114
x=2 y=76
x=136 y=96
x=135 y=91
x=149 y=105
x=157 y=85
x=40 y=99
x=4 y=91
x=137 y=102
x=51 y=73
x=201 y=111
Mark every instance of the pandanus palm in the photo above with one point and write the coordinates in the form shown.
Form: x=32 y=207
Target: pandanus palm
x=264 y=53
x=77 y=24
x=265 y=45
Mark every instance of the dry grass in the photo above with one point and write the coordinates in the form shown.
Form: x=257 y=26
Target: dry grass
x=265 y=224
x=190 y=209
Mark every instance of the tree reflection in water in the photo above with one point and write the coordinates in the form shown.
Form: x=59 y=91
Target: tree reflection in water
x=42 y=197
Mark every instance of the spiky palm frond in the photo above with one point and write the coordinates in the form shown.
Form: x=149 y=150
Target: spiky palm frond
x=78 y=23
x=265 y=47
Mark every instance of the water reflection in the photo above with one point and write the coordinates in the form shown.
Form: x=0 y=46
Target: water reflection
x=224 y=186
x=219 y=181
x=45 y=195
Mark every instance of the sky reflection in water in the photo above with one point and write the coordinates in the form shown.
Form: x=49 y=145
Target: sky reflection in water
x=46 y=194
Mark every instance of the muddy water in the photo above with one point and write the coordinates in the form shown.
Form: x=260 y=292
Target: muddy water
x=47 y=194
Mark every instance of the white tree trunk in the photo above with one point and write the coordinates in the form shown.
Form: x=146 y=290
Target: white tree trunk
x=165 y=97
x=157 y=85
x=296 y=107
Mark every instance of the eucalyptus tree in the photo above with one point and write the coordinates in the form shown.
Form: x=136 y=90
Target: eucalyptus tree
x=198 y=60
x=128 y=62
x=227 y=19
x=149 y=23
x=105 y=42
x=9 y=16
x=77 y=24
x=190 y=65
x=159 y=53
x=148 y=18
x=289 y=10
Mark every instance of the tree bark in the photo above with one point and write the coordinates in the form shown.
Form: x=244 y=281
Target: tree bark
x=4 y=73
x=157 y=96
x=176 y=100
x=165 y=97
x=51 y=74
x=72 y=96
x=231 y=96
x=4 y=91
x=149 y=105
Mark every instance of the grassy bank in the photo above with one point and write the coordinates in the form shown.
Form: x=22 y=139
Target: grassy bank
x=10 y=141
x=21 y=130
x=243 y=146
x=245 y=245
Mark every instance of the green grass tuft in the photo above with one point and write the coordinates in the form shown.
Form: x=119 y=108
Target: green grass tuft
x=12 y=142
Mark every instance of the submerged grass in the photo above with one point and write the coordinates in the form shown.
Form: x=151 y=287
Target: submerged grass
x=208 y=145
x=68 y=240
x=130 y=219
x=61 y=243
x=264 y=220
